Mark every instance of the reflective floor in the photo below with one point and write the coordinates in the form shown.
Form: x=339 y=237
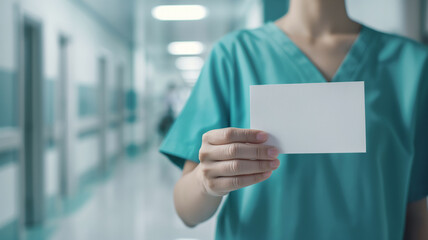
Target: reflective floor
x=134 y=203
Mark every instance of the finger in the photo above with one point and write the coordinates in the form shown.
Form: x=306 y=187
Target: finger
x=242 y=151
x=242 y=167
x=227 y=184
x=235 y=135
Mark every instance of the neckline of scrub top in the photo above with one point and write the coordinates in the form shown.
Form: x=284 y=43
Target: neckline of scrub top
x=348 y=67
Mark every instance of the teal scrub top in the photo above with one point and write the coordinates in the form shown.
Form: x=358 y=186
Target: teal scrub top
x=317 y=196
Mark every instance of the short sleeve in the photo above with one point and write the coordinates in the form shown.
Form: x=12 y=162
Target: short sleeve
x=206 y=109
x=419 y=176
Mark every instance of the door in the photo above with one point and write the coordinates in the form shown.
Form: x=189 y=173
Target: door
x=103 y=112
x=31 y=72
x=62 y=123
x=120 y=89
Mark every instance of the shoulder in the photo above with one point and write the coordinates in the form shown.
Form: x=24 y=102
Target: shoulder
x=246 y=35
x=400 y=46
x=244 y=38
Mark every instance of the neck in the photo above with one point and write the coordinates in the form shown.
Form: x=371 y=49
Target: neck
x=317 y=17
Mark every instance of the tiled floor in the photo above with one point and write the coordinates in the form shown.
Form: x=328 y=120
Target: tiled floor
x=135 y=203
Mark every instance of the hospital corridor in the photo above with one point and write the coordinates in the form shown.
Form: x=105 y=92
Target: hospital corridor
x=89 y=89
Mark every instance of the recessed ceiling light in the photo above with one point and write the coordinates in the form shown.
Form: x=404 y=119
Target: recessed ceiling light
x=186 y=48
x=179 y=12
x=189 y=63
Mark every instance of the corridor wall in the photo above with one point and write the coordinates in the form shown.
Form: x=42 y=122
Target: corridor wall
x=89 y=39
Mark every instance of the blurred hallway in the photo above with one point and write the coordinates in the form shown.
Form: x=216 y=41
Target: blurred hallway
x=127 y=205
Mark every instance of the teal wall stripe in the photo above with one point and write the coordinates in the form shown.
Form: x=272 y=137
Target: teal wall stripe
x=274 y=9
x=53 y=206
x=7 y=158
x=91 y=177
x=75 y=202
x=88 y=100
x=40 y=232
x=8 y=99
x=10 y=231
x=89 y=133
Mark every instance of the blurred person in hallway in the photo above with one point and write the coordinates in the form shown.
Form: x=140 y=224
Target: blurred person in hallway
x=169 y=115
x=174 y=100
x=380 y=194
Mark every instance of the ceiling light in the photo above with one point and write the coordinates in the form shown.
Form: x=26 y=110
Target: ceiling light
x=179 y=12
x=189 y=63
x=185 y=48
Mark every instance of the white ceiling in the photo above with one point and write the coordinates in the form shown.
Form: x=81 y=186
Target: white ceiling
x=224 y=16
x=119 y=14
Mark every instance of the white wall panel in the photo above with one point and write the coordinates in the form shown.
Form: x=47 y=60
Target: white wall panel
x=51 y=172
x=395 y=16
x=7 y=32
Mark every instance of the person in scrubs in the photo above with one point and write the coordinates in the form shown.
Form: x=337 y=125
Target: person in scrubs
x=380 y=194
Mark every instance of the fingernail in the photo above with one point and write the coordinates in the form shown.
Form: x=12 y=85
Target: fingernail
x=261 y=136
x=266 y=174
x=273 y=152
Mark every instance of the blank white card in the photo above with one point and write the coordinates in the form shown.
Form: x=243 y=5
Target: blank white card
x=311 y=117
